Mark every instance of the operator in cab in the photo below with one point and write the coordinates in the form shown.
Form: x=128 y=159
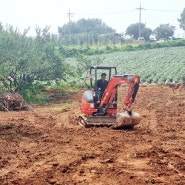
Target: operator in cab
x=101 y=85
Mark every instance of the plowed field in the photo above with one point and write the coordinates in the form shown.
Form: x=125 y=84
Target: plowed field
x=47 y=146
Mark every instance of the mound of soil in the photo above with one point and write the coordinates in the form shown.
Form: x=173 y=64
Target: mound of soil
x=12 y=101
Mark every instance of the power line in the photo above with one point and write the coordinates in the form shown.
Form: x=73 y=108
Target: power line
x=170 y=11
x=106 y=13
x=126 y=11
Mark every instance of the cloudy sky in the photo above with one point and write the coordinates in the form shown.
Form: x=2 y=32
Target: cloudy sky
x=118 y=14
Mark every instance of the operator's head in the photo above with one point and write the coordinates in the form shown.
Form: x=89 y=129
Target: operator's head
x=103 y=76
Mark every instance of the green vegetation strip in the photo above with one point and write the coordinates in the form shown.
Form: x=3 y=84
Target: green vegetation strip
x=154 y=65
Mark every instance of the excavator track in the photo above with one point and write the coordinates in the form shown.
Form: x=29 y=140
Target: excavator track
x=121 y=121
x=88 y=121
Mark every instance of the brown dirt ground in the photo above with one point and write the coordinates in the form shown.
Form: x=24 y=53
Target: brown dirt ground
x=47 y=146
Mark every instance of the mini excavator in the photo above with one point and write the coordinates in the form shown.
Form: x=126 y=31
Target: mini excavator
x=103 y=111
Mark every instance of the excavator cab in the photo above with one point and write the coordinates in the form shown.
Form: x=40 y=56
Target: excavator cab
x=95 y=73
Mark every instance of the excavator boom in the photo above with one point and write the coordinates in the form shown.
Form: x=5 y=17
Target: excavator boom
x=110 y=92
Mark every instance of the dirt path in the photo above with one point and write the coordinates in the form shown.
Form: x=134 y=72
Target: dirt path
x=47 y=146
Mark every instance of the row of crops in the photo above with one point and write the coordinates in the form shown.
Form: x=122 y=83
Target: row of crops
x=154 y=65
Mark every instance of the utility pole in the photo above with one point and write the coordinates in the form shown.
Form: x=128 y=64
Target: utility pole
x=140 y=9
x=69 y=14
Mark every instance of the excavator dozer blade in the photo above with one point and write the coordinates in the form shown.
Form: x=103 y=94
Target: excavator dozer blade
x=124 y=120
x=96 y=121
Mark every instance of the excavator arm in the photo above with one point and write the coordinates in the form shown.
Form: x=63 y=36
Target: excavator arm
x=111 y=90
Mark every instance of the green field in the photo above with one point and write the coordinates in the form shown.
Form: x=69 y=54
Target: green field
x=154 y=65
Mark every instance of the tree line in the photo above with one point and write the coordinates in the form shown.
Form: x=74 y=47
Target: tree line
x=95 y=32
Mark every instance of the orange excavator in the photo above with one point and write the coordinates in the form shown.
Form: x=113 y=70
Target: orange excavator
x=102 y=110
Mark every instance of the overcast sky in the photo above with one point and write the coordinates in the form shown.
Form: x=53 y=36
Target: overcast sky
x=118 y=14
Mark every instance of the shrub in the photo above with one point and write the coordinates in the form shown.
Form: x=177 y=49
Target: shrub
x=33 y=94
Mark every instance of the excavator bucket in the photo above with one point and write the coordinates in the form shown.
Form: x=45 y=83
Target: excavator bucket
x=125 y=120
